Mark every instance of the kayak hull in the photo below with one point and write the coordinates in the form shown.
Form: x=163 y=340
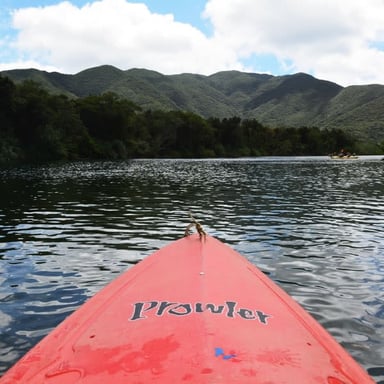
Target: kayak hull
x=194 y=312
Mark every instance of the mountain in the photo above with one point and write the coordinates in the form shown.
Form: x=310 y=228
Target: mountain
x=286 y=101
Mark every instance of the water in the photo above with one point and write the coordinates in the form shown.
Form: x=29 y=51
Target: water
x=314 y=225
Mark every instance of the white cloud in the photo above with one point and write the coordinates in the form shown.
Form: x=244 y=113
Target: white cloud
x=337 y=40
x=331 y=39
x=119 y=33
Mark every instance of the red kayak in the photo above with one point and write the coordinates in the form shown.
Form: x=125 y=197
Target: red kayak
x=193 y=312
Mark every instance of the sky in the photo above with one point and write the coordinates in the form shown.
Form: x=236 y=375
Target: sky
x=336 y=40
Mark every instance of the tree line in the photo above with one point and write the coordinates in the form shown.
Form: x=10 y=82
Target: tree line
x=36 y=125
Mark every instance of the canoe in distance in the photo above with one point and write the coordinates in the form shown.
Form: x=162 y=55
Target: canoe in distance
x=351 y=157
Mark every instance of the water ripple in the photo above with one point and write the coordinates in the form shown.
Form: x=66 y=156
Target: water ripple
x=315 y=226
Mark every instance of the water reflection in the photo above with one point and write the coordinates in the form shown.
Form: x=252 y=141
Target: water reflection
x=315 y=226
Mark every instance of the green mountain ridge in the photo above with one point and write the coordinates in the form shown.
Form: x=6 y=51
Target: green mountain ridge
x=278 y=101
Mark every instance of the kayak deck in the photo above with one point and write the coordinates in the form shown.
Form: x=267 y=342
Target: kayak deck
x=194 y=312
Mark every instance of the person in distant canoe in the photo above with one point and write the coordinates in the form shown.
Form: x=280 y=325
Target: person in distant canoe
x=342 y=153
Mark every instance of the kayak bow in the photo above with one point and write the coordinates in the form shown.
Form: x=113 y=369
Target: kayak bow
x=194 y=311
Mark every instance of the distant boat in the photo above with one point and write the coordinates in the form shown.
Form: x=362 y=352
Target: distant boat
x=344 y=157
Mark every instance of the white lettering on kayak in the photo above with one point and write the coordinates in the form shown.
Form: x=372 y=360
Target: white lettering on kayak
x=141 y=310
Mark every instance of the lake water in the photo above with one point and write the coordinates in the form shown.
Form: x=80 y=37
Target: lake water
x=314 y=225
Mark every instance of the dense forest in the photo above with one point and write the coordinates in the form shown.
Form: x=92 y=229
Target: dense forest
x=38 y=126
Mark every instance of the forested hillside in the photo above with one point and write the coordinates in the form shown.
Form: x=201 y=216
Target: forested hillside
x=285 y=101
x=37 y=125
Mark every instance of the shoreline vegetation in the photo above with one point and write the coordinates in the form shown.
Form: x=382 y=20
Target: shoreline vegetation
x=36 y=126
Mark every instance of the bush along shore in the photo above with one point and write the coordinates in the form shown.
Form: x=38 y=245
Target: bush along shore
x=38 y=126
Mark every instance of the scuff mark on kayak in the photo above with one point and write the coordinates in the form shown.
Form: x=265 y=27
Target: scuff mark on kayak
x=220 y=352
x=151 y=356
x=279 y=357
